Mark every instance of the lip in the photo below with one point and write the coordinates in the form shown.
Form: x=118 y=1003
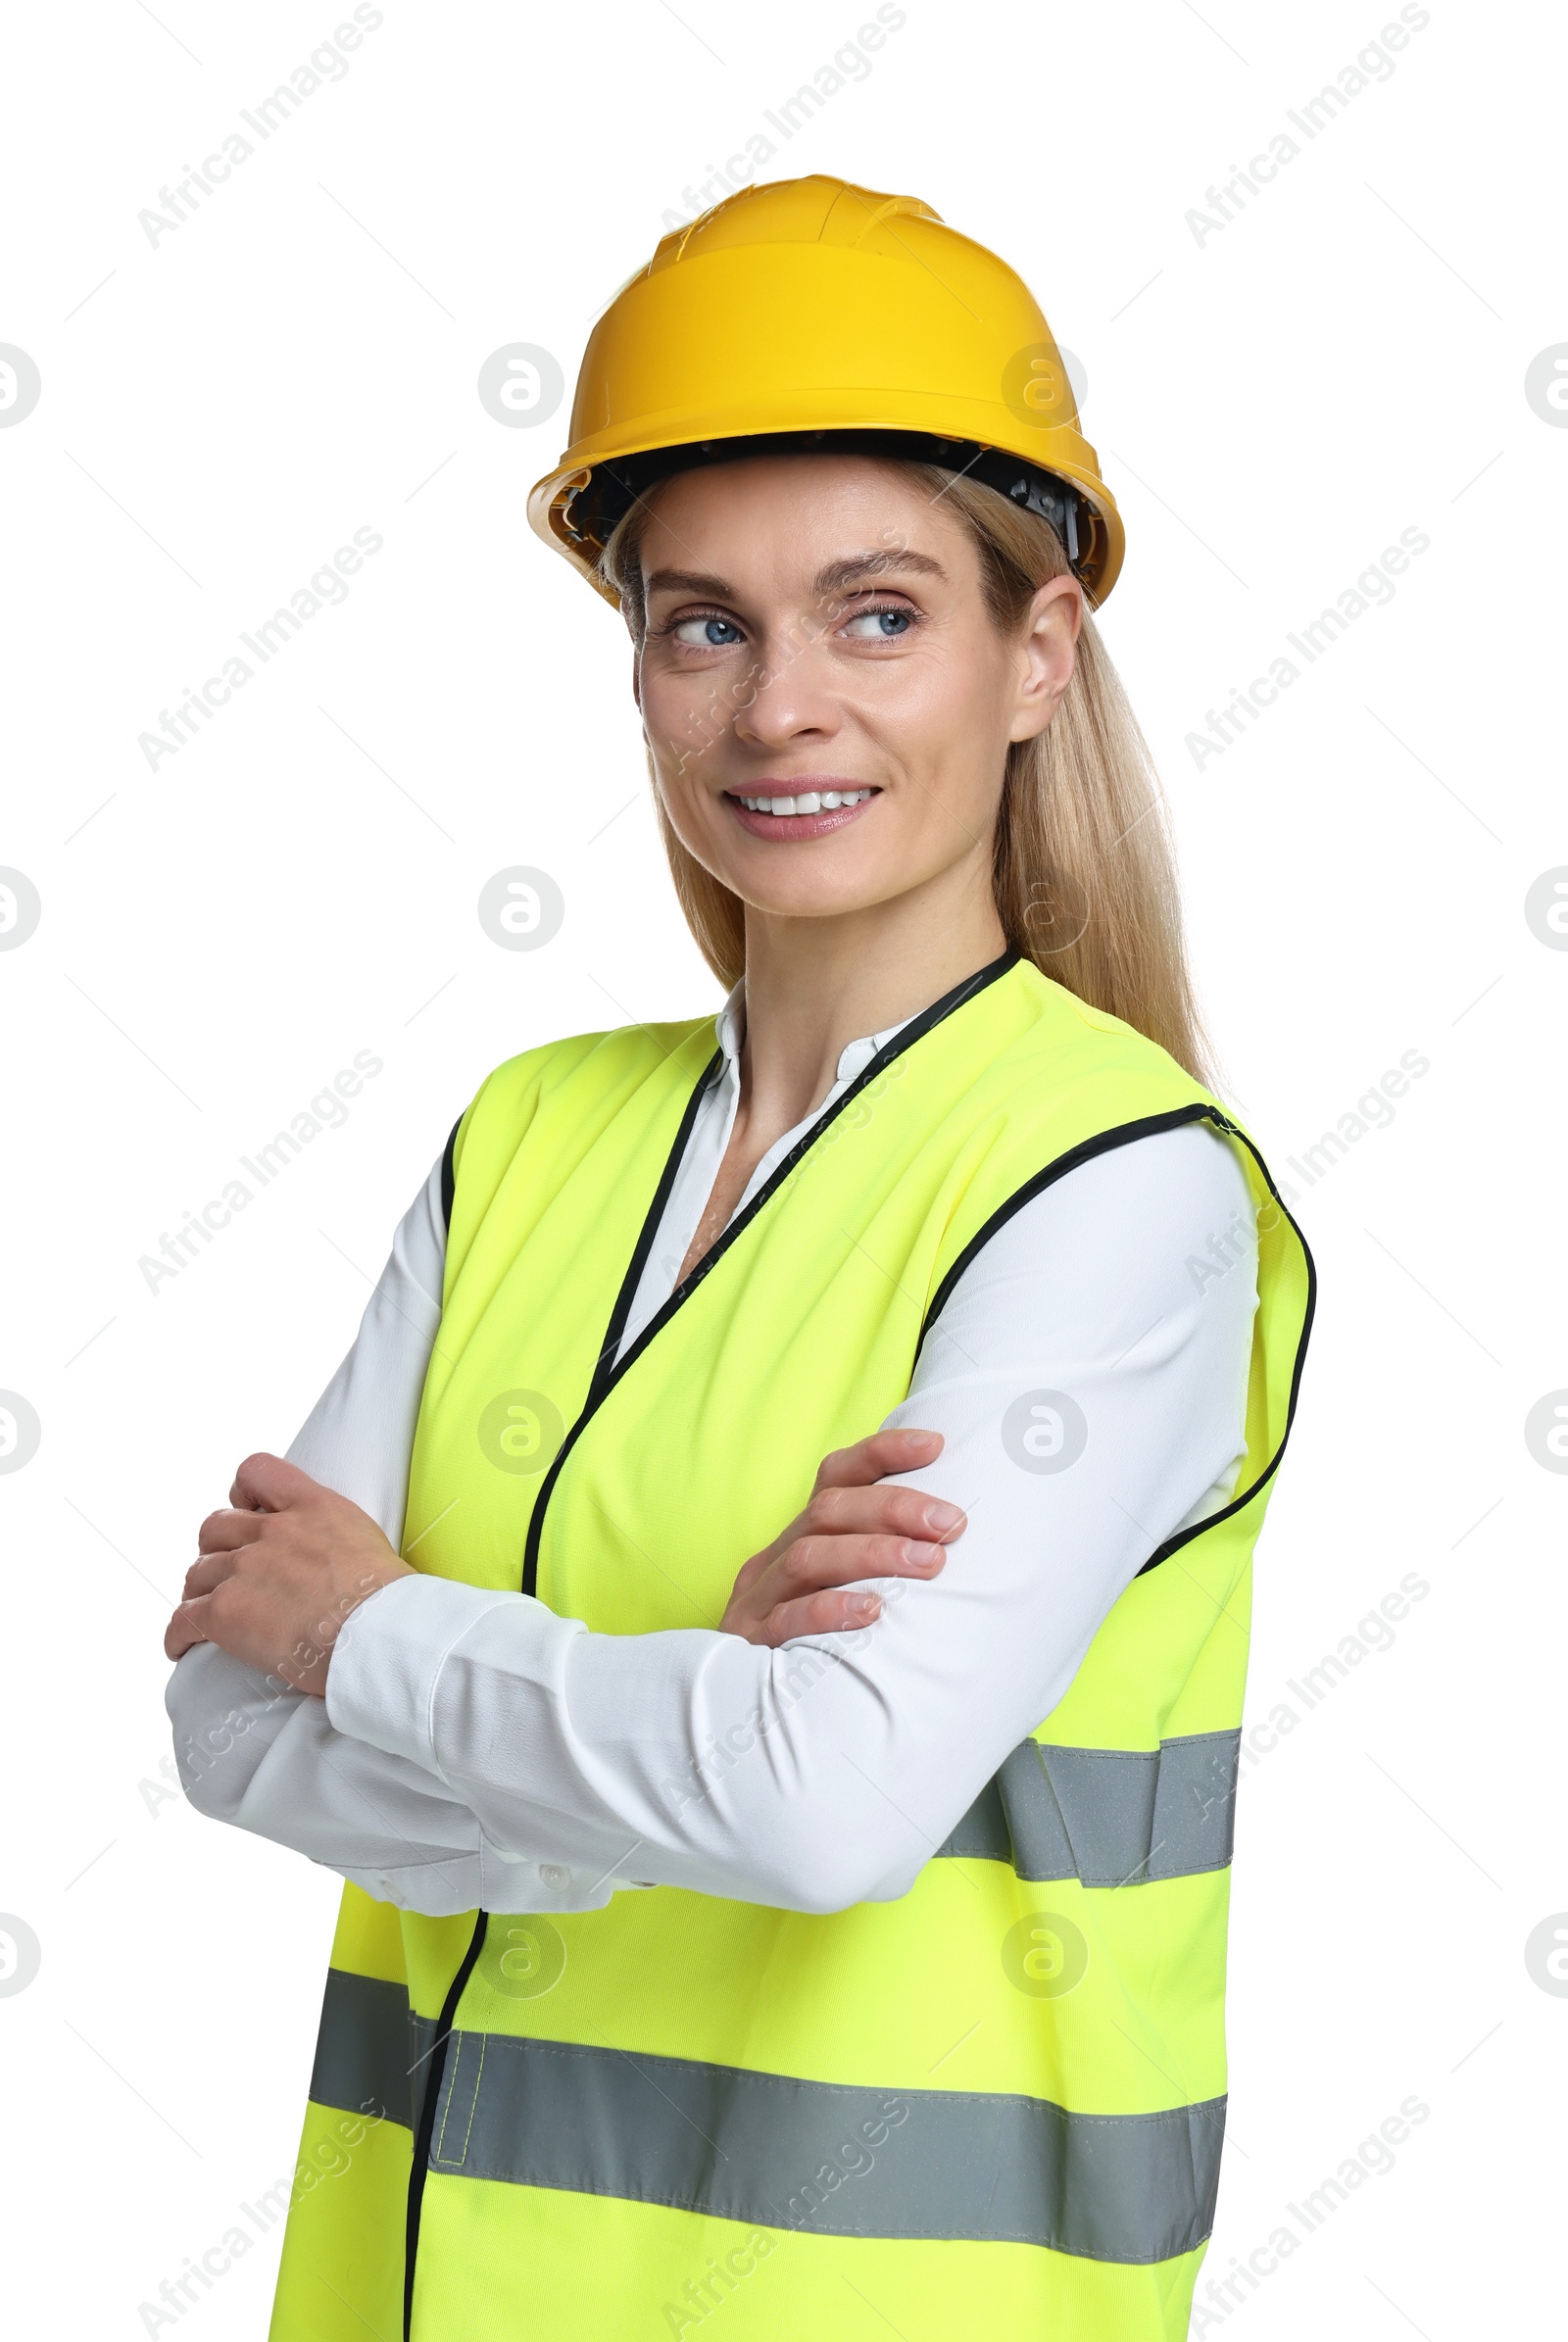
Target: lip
x=786 y=829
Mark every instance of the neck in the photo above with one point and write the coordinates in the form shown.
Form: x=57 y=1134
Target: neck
x=815 y=985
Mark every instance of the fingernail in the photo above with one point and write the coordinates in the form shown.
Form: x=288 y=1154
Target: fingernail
x=863 y=1606
x=921 y=1558
x=938 y=1515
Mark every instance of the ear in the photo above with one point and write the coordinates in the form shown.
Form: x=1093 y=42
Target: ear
x=1048 y=653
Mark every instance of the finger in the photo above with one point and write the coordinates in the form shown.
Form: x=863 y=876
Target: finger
x=747 y=1575
x=183 y=1630
x=820 y=1561
x=222 y=1531
x=269 y=1483
x=885 y=1506
x=882 y=1505
x=873 y=1458
x=818 y=1614
x=209 y=1572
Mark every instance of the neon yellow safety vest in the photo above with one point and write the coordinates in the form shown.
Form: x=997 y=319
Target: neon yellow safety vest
x=992 y=2106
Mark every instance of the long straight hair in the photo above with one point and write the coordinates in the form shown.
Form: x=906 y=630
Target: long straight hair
x=1082 y=868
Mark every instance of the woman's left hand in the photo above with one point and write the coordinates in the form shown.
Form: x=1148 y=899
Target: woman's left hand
x=856 y=1524
x=279 y=1572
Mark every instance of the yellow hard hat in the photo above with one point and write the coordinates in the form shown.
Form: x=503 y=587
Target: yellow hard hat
x=814 y=313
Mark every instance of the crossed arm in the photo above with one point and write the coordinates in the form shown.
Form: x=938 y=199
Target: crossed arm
x=448 y=1746
x=287 y=1562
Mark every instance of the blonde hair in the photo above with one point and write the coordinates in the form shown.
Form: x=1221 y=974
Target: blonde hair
x=1083 y=870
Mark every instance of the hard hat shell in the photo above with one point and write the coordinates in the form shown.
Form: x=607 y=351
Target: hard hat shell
x=823 y=313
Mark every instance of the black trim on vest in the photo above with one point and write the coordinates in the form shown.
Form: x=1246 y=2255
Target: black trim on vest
x=449 y=1175
x=606 y=1359
x=426 y=2130
x=1185 y=1537
x=1122 y=1136
x=608 y=1373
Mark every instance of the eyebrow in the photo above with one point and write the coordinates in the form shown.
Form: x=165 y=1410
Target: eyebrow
x=827 y=582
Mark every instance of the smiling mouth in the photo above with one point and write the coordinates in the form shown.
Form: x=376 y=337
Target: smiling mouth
x=803 y=813
x=807 y=801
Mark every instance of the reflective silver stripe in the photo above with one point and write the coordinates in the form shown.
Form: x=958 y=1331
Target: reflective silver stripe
x=370 y=2053
x=769 y=2148
x=1109 y=1816
x=982 y=1830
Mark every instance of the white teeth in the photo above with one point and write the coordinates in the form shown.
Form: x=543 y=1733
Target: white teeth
x=810 y=800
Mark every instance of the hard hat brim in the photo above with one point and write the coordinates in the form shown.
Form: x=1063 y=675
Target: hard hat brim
x=581 y=506
x=574 y=508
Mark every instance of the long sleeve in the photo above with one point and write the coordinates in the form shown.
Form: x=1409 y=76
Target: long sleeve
x=1109 y=1324
x=254 y=1752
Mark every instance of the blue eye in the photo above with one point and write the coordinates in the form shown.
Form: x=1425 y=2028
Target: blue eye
x=887 y=625
x=714 y=634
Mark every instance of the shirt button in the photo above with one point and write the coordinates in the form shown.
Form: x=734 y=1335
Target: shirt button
x=553 y=1875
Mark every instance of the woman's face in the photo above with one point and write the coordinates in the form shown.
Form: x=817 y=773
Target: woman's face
x=827 y=700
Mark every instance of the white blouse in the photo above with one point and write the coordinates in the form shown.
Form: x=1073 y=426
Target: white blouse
x=476 y=1750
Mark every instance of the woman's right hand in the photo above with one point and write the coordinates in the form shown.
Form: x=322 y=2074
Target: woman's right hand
x=853 y=1527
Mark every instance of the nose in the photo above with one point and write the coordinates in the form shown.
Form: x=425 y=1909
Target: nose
x=785 y=699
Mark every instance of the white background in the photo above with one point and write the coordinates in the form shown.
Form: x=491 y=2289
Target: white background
x=221 y=409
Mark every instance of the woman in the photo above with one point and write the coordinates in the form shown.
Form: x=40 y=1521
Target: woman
x=765 y=1645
